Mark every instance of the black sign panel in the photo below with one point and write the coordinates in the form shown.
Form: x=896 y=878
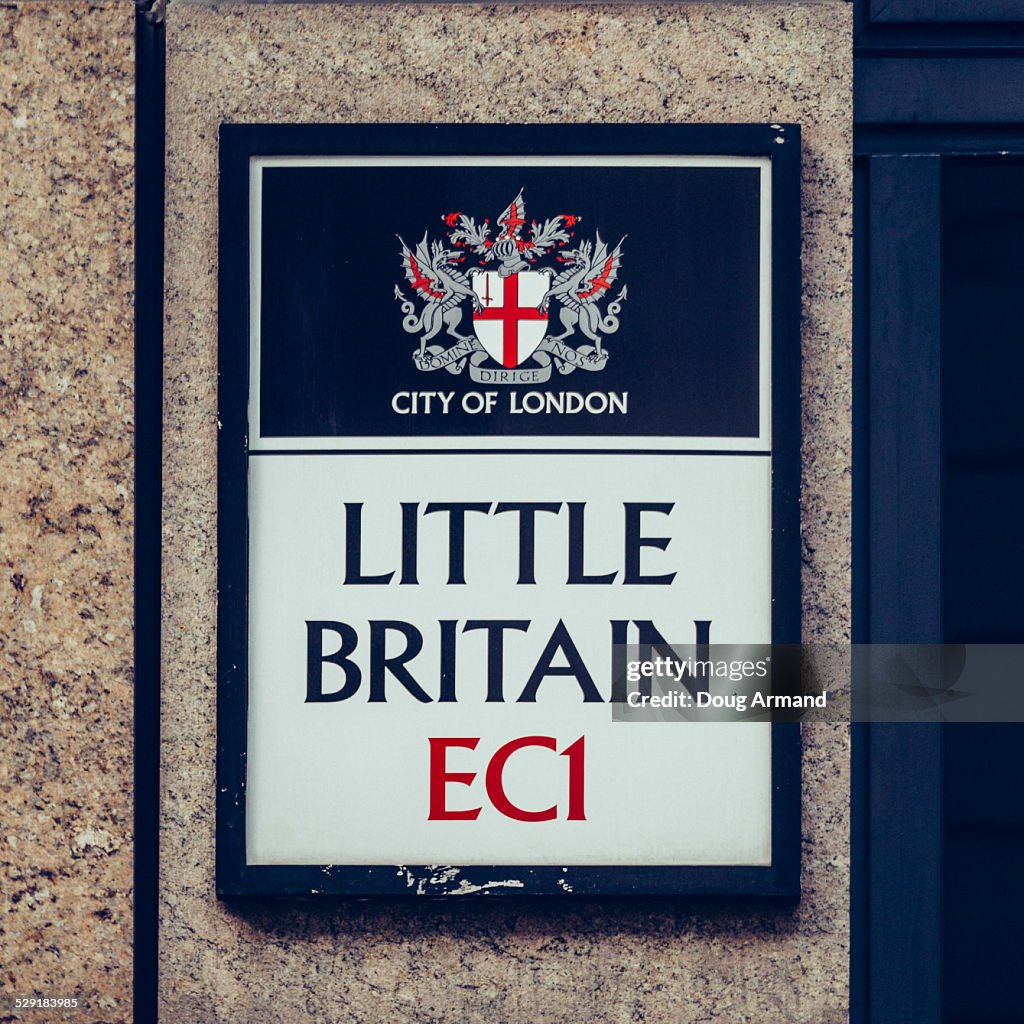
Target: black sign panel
x=332 y=357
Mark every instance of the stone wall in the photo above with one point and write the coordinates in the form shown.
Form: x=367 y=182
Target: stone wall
x=66 y=474
x=536 y=961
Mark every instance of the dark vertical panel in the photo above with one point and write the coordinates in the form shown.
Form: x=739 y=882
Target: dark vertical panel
x=905 y=869
x=983 y=562
x=904 y=797
x=983 y=414
x=859 y=823
x=149 y=204
x=903 y=365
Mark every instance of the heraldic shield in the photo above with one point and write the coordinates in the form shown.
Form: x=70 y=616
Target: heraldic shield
x=509 y=324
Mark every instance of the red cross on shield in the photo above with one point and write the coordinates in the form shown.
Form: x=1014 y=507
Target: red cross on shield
x=509 y=326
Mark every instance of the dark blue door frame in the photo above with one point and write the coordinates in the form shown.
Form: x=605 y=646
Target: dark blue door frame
x=904 y=604
x=929 y=84
x=899 y=941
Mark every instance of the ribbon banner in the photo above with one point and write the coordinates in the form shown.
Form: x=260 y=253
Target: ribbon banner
x=527 y=374
x=548 y=354
x=435 y=357
x=586 y=357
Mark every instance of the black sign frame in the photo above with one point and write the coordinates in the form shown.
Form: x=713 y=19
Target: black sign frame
x=239 y=144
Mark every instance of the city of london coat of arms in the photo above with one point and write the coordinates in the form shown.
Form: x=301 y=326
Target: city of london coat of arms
x=535 y=298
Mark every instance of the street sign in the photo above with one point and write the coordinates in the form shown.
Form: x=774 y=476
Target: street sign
x=496 y=403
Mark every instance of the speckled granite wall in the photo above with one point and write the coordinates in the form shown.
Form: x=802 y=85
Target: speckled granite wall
x=66 y=208
x=530 y=961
